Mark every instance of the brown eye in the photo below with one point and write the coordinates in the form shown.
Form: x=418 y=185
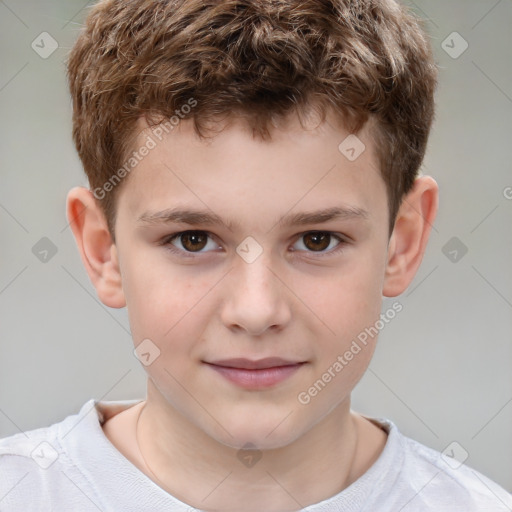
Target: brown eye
x=320 y=243
x=190 y=244
x=317 y=240
x=193 y=240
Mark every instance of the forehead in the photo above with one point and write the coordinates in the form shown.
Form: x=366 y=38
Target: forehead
x=300 y=168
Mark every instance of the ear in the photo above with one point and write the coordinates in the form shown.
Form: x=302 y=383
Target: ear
x=98 y=251
x=410 y=235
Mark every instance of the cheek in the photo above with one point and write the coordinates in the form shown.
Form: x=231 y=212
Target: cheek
x=346 y=300
x=163 y=299
x=348 y=310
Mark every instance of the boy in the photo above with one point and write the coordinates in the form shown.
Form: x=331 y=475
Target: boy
x=254 y=192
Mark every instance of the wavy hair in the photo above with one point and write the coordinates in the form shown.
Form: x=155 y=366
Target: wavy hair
x=258 y=58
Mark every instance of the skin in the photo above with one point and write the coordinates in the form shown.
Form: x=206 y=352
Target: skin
x=290 y=302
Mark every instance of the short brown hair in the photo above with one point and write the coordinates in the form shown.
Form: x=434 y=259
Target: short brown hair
x=258 y=58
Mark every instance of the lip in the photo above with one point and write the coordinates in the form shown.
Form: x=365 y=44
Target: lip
x=249 y=364
x=260 y=374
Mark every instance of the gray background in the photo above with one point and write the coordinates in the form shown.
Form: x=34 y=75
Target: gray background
x=442 y=367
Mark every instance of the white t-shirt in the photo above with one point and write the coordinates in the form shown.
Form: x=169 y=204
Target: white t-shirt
x=72 y=466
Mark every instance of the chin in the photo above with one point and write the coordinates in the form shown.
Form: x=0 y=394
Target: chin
x=263 y=435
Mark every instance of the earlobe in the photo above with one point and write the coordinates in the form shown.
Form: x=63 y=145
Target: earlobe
x=97 y=250
x=410 y=235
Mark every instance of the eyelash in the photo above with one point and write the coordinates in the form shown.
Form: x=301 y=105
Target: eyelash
x=166 y=241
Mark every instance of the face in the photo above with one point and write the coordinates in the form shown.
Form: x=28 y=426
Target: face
x=229 y=249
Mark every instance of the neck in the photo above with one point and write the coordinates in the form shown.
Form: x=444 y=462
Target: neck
x=200 y=471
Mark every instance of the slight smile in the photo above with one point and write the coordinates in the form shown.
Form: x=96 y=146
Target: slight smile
x=260 y=374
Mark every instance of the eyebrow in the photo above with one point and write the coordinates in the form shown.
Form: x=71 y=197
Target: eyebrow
x=205 y=217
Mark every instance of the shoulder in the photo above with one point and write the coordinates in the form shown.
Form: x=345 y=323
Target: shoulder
x=35 y=465
x=442 y=480
x=23 y=450
x=41 y=446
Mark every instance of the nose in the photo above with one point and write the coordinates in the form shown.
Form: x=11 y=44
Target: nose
x=257 y=300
